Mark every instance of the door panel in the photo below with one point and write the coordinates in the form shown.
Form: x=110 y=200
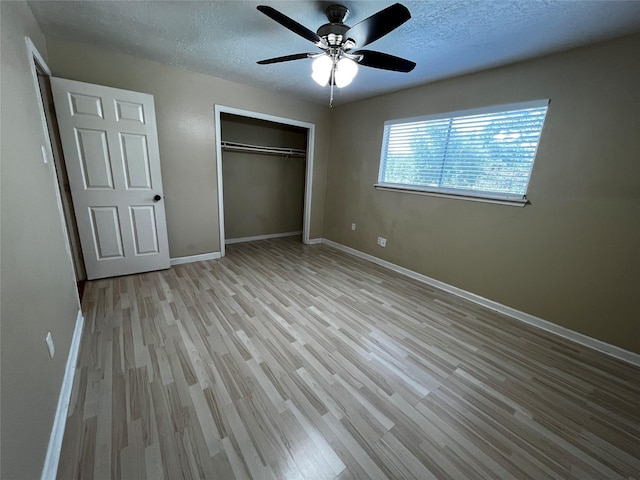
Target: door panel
x=107 y=239
x=136 y=160
x=129 y=111
x=110 y=144
x=85 y=105
x=143 y=218
x=94 y=158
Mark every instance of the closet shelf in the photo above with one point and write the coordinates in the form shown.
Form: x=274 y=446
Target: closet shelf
x=246 y=147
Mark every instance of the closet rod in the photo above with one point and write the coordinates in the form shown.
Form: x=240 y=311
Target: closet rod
x=246 y=147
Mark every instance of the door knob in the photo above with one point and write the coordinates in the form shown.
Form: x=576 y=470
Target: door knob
x=157 y=198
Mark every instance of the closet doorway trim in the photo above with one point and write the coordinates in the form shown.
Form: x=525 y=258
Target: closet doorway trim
x=311 y=129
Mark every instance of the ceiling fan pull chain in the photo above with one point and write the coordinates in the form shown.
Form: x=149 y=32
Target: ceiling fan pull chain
x=331 y=98
x=332 y=78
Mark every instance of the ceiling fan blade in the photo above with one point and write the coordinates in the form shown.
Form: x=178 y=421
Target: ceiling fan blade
x=384 y=61
x=291 y=24
x=286 y=58
x=378 y=25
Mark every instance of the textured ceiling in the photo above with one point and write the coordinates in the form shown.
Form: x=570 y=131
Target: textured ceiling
x=445 y=37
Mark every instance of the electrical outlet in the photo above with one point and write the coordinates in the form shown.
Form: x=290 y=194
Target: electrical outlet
x=49 y=340
x=382 y=242
x=353 y=226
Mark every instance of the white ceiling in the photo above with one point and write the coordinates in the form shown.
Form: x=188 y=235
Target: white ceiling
x=444 y=37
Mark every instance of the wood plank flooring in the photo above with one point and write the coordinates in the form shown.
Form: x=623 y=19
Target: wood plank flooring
x=286 y=361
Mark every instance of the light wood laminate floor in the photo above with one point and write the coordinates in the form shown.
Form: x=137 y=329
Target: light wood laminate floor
x=289 y=361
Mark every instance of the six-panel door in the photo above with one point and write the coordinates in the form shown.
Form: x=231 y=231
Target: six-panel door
x=110 y=145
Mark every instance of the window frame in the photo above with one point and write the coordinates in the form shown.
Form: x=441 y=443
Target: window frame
x=473 y=195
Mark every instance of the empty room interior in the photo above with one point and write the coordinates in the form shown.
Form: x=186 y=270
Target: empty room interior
x=320 y=240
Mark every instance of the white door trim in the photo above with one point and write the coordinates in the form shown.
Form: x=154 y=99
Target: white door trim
x=36 y=61
x=306 y=222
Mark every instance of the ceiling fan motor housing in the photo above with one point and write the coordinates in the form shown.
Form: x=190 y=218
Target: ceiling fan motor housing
x=333 y=32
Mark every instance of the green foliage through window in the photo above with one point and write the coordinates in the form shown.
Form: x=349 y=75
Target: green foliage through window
x=485 y=152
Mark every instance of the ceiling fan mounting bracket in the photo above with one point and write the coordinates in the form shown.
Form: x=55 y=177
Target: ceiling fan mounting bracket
x=337 y=13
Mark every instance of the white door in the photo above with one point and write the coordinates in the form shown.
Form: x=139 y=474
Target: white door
x=110 y=145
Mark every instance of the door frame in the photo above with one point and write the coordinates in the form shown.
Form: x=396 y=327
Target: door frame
x=311 y=135
x=37 y=63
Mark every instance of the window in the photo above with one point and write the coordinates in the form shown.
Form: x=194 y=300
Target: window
x=485 y=153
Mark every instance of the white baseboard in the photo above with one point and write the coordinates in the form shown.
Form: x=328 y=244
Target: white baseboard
x=50 y=468
x=315 y=241
x=574 y=336
x=229 y=241
x=195 y=258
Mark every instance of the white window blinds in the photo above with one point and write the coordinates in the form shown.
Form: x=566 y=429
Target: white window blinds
x=486 y=152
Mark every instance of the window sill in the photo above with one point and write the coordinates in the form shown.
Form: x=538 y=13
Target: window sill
x=520 y=202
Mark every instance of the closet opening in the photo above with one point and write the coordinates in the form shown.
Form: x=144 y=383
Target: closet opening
x=264 y=172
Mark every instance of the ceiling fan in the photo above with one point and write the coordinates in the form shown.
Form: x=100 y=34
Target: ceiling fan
x=341 y=45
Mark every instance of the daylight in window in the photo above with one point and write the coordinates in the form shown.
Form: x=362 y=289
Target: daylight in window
x=485 y=152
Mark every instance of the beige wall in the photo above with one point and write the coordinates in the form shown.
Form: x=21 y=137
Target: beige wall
x=263 y=193
x=572 y=257
x=38 y=287
x=184 y=108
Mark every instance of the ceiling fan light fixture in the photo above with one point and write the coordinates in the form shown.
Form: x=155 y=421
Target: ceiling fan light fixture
x=321 y=70
x=337 y=65
x=346 y=70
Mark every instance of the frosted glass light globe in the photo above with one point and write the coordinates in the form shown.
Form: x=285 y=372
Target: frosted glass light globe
x=321 y=70
x=346 y=70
